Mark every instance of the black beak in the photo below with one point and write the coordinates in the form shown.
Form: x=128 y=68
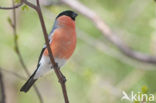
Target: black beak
x=74 y=15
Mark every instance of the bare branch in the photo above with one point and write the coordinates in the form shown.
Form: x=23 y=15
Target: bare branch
x=2 y=88
x=38 y=93
x=13 y=7
x=56 y=68
x=20 y=77
x=108 y=33
x=19 y=53
x=38 y=3
x=48 y=3
x=106 y=49
x=29 y=4
x=13 y=73
x=16 y=42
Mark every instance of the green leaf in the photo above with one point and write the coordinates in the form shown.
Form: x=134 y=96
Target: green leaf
x=25 y=7
x=9 y=21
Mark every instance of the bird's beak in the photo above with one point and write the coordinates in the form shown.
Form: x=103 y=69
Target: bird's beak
x=74 y=15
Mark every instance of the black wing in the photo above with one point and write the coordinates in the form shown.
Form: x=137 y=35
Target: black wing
x=41 y=54
x=40 y=57
x=49 y=37
x=43 y=49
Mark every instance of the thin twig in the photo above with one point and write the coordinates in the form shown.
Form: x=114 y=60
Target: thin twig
x=19 y=53
x=13 y=73
x=108 y=33
x=48 y=3
x=2 y=88
x=56 y=68
x=13 y=7
x=29 y=4
x=97 y=44
x=16 y=42
x=20 y=77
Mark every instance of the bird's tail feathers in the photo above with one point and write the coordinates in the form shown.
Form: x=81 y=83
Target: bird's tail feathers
x=28 y=84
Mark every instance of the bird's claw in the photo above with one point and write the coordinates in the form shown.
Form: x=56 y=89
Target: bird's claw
x=56 y=65
x=63 y=79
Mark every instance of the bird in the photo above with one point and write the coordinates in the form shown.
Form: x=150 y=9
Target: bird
x=62 y=40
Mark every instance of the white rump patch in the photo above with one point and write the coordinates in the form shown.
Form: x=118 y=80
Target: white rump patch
x=46 y=66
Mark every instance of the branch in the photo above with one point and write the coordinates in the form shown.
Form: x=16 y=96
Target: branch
x=13 y=73
x=2 y=88
x=13 y=7
x=29 y=4
x=16 y=42
x=108 y=33
x=13 y=24
x=99 y=45
x=48 y=3
x=56 y=68
x=20 y=77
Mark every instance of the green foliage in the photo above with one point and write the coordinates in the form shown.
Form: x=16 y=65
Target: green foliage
x=95 y=74
x=10 y=21
x=25 y=7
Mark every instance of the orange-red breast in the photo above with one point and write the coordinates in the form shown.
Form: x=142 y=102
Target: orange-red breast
x=62 y=40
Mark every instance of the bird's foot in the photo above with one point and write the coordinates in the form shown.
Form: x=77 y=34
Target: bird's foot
x=55 y=66
x=63 y=78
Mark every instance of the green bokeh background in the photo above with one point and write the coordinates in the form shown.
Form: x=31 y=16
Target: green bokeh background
x=97 y=72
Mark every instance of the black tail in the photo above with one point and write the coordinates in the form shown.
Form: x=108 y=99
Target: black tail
x=28 y=84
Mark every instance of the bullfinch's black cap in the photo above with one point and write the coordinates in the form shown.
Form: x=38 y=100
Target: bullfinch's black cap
x=69 y=13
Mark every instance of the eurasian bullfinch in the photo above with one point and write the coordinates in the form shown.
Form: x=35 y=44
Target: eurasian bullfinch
x=62 y=40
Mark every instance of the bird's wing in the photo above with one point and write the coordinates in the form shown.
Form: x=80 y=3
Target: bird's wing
x=41 y=55
x=55 y=26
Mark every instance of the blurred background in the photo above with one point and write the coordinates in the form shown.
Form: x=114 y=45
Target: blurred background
x=97 y=72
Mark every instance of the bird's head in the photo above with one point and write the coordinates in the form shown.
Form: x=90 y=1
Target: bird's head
x=68 y=13
x=66 y=19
